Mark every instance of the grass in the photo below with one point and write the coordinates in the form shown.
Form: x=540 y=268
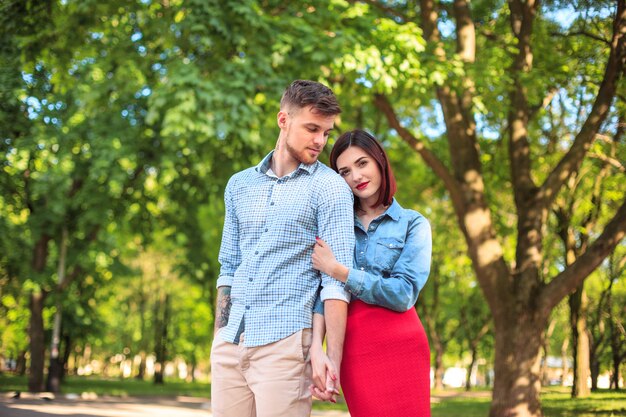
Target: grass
x=556 y=401
x=115 y=387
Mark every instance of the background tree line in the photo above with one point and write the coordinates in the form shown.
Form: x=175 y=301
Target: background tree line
x=121 y=122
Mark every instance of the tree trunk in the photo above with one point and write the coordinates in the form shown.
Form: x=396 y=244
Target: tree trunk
x=470 y=369
x=141 y=371
x=595 y=372
x=580 y=342
x=618 y=357
x=37 y=343
x=191 y=377
x=55 y=374
x=20 y=366
x=615 y=376
x=517 y=366
x=544 y=362
x=67 y=350
x=160 y=347
x=439 y=366
x=55 y=370
x=564 y=366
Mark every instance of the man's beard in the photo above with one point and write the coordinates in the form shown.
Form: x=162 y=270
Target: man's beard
x=303 y=157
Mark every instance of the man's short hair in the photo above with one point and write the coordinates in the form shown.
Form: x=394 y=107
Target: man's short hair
x=304 y=93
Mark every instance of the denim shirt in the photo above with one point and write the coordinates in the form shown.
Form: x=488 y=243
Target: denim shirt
x=391 y=259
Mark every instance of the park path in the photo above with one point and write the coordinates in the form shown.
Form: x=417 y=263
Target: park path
x=116 y=407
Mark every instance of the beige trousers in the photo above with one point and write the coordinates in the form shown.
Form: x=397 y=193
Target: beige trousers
x=263 y=381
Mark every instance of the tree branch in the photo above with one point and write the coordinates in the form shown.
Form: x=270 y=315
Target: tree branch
x=465 y=31
x=438 y=167
x=570 y=278
x=522 y=17
x=614 y=71
x=610 y=161
x=583 y=33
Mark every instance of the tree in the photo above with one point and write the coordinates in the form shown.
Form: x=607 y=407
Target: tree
x=519 y=296
x=76 y=134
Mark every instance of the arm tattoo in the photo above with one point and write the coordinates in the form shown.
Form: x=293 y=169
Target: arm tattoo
x=223 y=307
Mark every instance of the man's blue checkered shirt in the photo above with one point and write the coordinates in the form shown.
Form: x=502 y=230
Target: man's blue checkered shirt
x=269 y=233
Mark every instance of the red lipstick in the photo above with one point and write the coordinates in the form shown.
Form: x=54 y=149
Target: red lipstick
x=362 y=185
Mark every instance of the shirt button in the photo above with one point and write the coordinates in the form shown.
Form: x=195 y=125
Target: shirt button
x=247 y=307
x=256 y=252
x=250 y=279
x=266 y=230
x=272 y=203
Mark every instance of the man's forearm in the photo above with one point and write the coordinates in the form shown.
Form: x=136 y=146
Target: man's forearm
x=335 y=314
x=222 y=311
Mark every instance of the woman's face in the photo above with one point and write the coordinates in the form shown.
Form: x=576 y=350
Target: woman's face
x=361 y=173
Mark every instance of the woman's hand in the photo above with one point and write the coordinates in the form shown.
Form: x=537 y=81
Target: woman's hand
x=324 y=260
x=325 y=380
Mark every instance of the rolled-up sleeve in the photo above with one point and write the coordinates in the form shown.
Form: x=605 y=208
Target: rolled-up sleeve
x=335 y=218
x=230 y=253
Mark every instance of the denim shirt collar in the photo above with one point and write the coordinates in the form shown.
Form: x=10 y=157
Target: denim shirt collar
x=266 y=163
x=393 y=211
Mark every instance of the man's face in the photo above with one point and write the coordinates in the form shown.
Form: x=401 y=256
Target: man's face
x=305 y=133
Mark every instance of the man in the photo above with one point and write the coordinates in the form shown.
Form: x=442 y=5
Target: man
x=267 y=285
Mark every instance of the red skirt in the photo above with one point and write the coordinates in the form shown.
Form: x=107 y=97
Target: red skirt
x=385 y=369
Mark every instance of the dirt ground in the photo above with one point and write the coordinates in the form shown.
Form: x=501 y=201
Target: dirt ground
x=34 y=406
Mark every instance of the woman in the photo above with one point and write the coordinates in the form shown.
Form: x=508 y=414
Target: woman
x=385 y=369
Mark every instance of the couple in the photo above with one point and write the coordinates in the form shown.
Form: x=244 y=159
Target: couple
x=308 y=254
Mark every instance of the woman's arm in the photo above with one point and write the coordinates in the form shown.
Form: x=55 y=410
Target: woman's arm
x=400 y=290
x=407 y=277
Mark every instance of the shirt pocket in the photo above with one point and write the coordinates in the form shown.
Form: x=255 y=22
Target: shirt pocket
x=387 y=252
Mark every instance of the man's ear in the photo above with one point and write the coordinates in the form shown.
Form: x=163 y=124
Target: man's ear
x=281 y=118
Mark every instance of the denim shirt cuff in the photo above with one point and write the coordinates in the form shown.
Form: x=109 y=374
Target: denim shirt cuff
x=355 y=281
x=224 y=281
x=318 y=307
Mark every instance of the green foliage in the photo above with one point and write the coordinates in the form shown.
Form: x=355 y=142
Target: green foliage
x=122 y=121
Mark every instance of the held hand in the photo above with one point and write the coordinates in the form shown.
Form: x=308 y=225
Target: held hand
x=324 y=375
x=323 y=257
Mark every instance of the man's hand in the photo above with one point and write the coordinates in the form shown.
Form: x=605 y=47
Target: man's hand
x=325 y=378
